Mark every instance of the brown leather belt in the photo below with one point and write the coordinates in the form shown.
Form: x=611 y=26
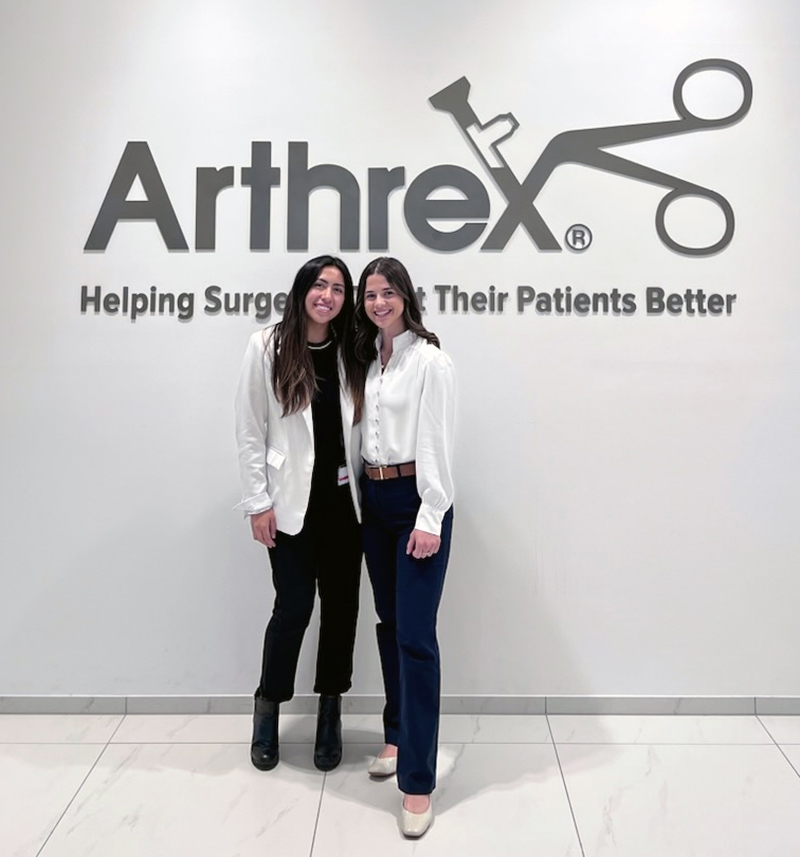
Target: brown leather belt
x=390 y=471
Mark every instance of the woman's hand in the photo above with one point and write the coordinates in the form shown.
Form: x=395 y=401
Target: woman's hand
x=264 y=527
x=422 y=544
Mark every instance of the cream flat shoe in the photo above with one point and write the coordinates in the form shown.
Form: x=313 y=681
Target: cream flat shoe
x=414 y=824
x=383 y=767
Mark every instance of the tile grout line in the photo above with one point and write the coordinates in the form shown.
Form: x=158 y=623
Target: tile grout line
x=319 y=810
x=83 y=783
x=451 y=742
x=763 y=725
x=566 y=790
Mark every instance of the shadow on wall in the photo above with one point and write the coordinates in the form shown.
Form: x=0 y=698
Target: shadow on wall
x=496 y=629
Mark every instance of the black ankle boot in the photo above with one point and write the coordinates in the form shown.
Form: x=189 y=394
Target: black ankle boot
x=264 y=748
x=328 y=746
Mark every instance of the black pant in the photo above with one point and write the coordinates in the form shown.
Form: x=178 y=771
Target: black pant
x=324 y=555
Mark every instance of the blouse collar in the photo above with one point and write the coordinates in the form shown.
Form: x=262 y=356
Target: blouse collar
x=400 y=342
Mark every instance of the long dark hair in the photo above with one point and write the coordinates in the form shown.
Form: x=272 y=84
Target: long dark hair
x=293 y=377
x=364 y=348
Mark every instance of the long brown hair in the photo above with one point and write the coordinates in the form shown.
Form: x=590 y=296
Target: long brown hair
x=364 y=348
x=293 y=377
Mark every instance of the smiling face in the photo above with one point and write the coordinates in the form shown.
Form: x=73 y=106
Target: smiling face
x=384 y=306
x=323 y=302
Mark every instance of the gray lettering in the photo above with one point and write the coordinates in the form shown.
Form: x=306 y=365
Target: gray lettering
x=213 y=302
x=260 y=177
x=419 y=210
x=525 y=296
x=655 y=301
x=138 y=304
x=582 y=303
x=460 y=300
x=382 y=182
x=263 y=305
x=136 y=161
x=674 y=304
x=94 y=299
x=210 y=182
x=303 y=181
x=185 y=305
x=442 y=291
x=478 y=302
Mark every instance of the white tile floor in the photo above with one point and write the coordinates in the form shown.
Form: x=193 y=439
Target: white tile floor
x=556 y=786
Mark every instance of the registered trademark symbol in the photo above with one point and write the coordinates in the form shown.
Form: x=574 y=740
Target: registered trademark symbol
x=578 y=237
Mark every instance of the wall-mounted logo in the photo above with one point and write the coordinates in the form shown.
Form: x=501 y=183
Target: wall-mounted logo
x=588 y=147
x=422 y=207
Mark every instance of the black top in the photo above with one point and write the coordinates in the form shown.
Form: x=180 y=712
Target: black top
x=326 y=413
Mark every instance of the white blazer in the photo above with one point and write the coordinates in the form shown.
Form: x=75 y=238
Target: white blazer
x=276 y=452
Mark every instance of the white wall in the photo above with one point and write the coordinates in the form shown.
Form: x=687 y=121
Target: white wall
x=628 y=500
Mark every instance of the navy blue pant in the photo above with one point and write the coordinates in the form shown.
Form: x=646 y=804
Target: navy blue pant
x=326 y=556
x=407 y=594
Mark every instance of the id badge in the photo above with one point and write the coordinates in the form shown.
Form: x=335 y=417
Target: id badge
x=344 y=477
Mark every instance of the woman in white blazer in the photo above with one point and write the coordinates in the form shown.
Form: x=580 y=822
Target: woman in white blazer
x=299 y=461
x=406 y=402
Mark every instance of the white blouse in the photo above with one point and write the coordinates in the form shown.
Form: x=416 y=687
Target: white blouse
x=409 y=412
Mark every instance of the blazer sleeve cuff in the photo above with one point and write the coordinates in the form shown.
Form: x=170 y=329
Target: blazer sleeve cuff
x=255 y=505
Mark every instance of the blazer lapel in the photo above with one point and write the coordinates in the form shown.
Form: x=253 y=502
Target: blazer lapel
x=309 y=422
x=348 y=410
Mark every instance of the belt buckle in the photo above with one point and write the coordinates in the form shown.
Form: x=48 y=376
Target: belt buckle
x=380 y=472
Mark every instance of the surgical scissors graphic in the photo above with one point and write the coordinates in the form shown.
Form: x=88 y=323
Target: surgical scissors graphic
x=587 y=146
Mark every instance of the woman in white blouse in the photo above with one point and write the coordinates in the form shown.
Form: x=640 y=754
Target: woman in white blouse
x=407 y=412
